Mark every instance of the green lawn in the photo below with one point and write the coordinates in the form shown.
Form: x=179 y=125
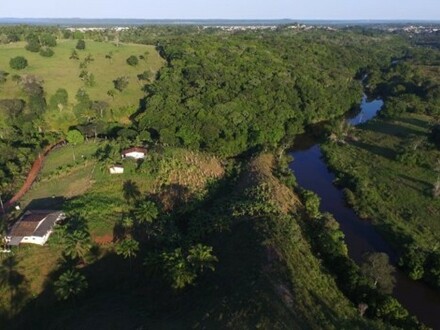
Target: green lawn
x=61 y=72
x=63 y=157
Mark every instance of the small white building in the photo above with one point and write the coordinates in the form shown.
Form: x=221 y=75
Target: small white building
x=34 y=227
x=135 y=153
x=116 y=169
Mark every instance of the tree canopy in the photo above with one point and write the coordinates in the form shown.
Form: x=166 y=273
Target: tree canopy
x=81 y=44
x=227 y=95
x=132 y=60
x=18 y=63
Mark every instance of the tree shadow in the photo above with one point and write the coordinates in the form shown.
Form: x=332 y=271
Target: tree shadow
x=172 y=197
x=377 y=150
x=426 y=190
x=130 y=191
x=119 y=232
x=415 y=122
x=141 y=108
x=391 y=129
x=16 y=283
x=46 y=312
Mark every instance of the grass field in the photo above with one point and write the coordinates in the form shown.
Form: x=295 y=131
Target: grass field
x=61 y=72
x=395 y=194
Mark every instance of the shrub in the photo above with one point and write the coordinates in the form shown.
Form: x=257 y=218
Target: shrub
x=132 y=60
x=121 y=83
x=81 y=44
x=18 y=63
x=46 y=52
x=48 y=40
x=3 y=75
x=311 y=202
x=33 y=45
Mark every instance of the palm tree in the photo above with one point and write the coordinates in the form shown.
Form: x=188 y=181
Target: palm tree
x=183 y=268
x=146 y=211
x=77 y=245
x=128 y=248
x=177 y=269
x=200 y=256
x=70 y=284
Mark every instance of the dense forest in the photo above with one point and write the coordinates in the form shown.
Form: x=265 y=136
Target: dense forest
x=227 y=95
x=211 y=229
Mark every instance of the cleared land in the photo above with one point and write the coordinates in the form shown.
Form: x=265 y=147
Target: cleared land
x=172 y=177
x=59 y=71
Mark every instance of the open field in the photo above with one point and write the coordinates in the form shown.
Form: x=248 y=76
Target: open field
x=59 y=71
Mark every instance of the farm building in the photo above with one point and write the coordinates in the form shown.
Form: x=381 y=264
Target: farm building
x=34 y=227
x=135 y=152
x=116 y=169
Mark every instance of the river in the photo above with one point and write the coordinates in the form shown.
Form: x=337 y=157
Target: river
x=312 y=173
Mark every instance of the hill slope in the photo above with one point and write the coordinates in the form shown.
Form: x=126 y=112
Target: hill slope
x=266 y=276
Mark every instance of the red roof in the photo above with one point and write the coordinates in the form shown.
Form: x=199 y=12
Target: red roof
x=134 y=149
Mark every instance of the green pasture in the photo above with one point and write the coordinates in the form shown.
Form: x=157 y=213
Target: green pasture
x=59 y=71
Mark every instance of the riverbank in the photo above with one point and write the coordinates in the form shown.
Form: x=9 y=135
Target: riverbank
x=312 y=173
x=388 y=175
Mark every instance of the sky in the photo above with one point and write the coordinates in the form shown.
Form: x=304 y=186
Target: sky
x=230 y=9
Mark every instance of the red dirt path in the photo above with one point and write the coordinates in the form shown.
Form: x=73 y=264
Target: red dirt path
x=32 y=175
x=102 y=240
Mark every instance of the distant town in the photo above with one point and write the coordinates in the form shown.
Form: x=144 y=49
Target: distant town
x=332 y=26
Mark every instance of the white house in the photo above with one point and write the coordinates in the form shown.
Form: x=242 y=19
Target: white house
x=116 y=169
x=34 y=227
x=135 y=152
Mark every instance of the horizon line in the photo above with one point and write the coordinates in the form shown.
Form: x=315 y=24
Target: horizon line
x=225 y=19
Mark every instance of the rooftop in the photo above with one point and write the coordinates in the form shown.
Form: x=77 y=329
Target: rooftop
x=134 y=149
x=35 y=223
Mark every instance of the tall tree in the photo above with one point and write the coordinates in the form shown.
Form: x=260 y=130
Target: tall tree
x=377 y=268
x=74 y=137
